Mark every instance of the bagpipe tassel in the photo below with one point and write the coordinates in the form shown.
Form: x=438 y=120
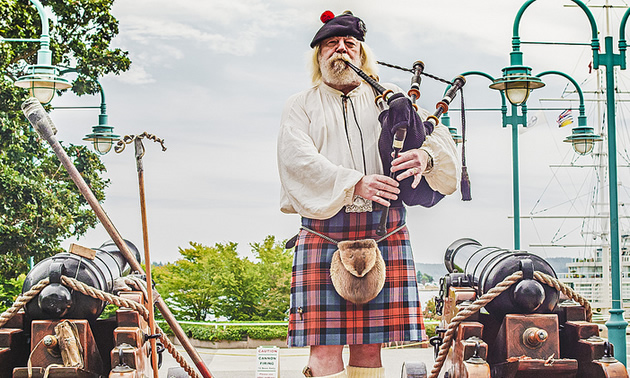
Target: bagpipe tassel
x=465 y=185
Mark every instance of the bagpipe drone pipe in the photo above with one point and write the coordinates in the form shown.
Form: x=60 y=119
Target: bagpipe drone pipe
x=403 y=130
x=503 y=313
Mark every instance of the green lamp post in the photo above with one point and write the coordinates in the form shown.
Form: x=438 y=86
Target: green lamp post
x=582 y=139
x=102 y=136
x=41 y=79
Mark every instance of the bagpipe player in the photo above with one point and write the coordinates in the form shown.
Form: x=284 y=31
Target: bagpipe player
x=350 y=286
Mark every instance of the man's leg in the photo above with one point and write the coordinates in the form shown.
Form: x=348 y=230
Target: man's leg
x=326 y=360
x=365 y=361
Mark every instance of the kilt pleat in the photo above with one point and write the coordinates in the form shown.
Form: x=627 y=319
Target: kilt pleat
x=319 y=316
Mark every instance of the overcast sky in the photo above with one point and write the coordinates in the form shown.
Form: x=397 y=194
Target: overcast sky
x=211 y=77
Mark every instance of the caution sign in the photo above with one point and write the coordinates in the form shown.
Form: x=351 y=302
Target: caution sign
x=267 y=362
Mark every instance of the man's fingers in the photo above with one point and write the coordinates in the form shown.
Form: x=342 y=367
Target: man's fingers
x=416 y=181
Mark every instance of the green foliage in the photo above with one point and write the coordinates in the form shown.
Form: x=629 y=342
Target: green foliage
x=215 y=281
x=429 y=310
x=39 y=204
x=423 y=278
x=10 y=289
x=231 y=333
x=109 y=311
x=430 y=329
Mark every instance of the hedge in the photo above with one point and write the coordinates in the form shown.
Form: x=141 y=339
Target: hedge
x=241 y=333
x=236 y=333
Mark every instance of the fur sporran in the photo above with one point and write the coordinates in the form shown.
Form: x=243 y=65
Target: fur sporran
x=357 y=270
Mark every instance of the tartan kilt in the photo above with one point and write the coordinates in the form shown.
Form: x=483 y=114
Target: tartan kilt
x=319 y=316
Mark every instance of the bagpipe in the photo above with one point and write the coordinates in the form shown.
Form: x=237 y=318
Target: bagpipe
x=403 y=130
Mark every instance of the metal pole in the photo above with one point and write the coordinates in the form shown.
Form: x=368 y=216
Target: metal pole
x=616 y=324
x=515 y=188
x=37 y=116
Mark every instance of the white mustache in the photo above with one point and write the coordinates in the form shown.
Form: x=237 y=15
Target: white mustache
x=340 y=56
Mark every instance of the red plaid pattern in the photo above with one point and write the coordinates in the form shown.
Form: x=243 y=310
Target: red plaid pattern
x=319 y=316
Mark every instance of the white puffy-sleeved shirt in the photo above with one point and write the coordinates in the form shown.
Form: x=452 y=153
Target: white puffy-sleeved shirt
x=327 y=143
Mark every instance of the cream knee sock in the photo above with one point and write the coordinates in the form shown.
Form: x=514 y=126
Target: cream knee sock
x=361 y=372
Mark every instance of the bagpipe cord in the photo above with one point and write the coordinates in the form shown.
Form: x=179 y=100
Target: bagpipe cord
x=344 y=100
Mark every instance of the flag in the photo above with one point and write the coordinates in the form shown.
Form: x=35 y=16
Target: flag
x=565 y=118
x=533 y=120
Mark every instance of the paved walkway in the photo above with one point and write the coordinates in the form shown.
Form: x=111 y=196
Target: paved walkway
x=241 y=363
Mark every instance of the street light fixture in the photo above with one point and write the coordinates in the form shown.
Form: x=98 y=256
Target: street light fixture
x=583 y=139
x=102 y=137
x=41 y=79
x=517 y=82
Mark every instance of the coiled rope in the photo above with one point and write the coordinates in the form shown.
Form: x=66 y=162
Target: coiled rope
x=464 y=313
x=23 y=299
x=488 y=297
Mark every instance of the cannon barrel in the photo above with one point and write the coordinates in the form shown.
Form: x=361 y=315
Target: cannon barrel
x=56 y=301
x=485 y=267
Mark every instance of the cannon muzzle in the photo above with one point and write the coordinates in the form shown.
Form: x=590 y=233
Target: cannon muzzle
x=486 y=267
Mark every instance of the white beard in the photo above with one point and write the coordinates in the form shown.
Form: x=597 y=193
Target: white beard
x=336 y=72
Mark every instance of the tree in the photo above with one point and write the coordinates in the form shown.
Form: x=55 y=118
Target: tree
x=275 y=277
x=423 y=278
x=39 y=204
x=188 y=285
x=216 y=281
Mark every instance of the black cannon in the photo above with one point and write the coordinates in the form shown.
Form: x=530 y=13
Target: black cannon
x=56 y=301
x=528 y=330
x=485 y=267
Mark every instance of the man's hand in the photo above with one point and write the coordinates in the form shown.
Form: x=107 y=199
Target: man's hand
x=377 y=188
x=413 y=163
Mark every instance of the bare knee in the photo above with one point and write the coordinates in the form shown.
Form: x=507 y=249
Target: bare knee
x=366 y=355
x=326 y=359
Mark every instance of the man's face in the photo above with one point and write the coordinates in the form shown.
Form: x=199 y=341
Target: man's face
x=333 y=67
x=341 y=45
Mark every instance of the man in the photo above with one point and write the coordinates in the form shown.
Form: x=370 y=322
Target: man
x=332 y=176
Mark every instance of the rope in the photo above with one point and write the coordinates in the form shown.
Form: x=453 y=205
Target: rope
x=489 y=296
x=566 y=290
x=466 y=312
x=439 y=362
x=121 y=302
x=23 y=299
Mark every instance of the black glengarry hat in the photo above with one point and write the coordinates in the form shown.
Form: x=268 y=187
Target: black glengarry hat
x=346 y=24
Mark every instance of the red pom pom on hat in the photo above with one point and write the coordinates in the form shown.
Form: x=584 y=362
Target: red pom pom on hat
x=327 y=16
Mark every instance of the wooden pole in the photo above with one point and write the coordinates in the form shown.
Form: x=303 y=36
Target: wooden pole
x=147 y=256
x=37 y=116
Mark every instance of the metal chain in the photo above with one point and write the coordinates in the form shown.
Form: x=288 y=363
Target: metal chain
x=127 y=139
x=411 y=70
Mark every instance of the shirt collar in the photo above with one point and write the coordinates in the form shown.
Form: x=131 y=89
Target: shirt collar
x=353 y=93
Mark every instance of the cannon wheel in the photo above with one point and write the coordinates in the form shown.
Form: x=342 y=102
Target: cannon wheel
x=413 y=369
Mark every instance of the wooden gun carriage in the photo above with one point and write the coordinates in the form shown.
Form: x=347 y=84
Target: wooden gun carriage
x=504 y=314
x=58 y=333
